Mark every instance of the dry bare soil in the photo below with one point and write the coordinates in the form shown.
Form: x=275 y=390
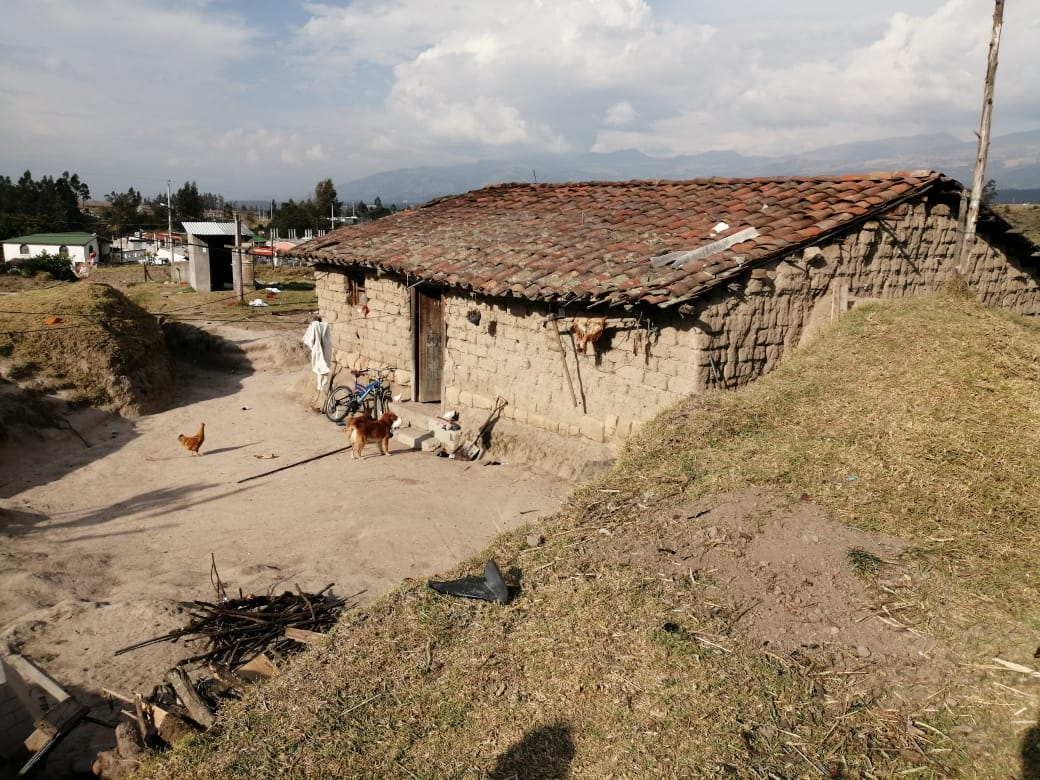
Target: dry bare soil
x=109 y=529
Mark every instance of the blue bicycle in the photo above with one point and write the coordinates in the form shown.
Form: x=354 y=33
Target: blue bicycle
x=372 y=398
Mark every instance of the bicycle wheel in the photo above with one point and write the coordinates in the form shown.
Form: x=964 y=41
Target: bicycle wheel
x=342 y=401
x=379 y=399
x=370 y=405
x=384 y=400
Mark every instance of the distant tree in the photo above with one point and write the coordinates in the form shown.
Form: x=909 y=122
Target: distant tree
x=293 y=216
x=378 y=210
x=214 y=202
x=989 y=192
x=325 y=203
x=187 y=203
x=121 y=213
x=50 y=204
x=77 y=187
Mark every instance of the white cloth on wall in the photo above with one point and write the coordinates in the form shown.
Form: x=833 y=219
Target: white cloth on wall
x=318 y=339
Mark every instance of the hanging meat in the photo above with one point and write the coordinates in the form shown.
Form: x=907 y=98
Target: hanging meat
x=588 y=331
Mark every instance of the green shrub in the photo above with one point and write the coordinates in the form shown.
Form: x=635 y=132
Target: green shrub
x=58 y=266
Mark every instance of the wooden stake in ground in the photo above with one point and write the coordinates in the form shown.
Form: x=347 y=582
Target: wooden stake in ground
x=967 y=237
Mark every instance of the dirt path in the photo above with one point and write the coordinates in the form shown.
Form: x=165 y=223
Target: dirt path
x=98 y=544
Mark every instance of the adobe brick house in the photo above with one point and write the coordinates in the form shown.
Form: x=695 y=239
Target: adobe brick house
x=590 y=307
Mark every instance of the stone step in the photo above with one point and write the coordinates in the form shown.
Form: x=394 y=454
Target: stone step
x=414 y=438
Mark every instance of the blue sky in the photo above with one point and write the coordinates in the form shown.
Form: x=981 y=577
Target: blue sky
x=264 y=98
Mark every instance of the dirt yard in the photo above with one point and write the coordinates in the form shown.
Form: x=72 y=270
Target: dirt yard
x=103 y=539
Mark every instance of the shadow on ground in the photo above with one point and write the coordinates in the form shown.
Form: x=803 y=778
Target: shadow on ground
x=71 y=757
x=1030 y=751
x=66 y=437
x=542 y=754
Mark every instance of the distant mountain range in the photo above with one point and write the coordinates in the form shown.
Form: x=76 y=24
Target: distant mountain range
x=1013 y=162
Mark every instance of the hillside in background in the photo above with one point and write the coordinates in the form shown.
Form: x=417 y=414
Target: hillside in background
x=1013 y=162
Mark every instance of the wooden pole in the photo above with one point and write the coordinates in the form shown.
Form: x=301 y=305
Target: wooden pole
x=967 y=237
x=563 y=358
x=240 y=289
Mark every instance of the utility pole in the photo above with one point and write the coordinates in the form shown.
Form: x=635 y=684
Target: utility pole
x=169 y=223
x=969 y=220
x=352 y=219
x=240 y=288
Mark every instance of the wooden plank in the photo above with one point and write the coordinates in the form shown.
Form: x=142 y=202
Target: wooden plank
x=31 y=674
x=260 y=668
x=303 y=636
x=197 y=708
x=63 y=716
x=50 y=730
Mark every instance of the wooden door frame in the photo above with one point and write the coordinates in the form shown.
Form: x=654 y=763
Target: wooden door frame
x=418 y=330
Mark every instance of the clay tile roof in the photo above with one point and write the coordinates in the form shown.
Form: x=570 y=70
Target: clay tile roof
x=651 y=242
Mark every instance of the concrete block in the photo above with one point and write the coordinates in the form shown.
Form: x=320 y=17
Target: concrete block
x=450 y=439
x=412 y=437
x=594 y=429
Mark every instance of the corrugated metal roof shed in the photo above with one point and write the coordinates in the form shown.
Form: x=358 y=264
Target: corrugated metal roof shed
x=213 y=229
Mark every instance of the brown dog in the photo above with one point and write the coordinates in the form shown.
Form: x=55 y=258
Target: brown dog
x=362 y=431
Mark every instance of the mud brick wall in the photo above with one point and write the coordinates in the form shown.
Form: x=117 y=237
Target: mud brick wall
x=518 y=352
x=645 y=362
x=744 y=330
x=382 y=337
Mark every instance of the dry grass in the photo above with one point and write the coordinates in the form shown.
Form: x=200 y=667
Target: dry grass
x=918 y=419
x=291 y=308
x=1024 y=216
x=85 y=341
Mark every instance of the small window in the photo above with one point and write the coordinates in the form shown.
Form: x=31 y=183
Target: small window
x=63 y=250
x=23 y=249
x=356 y=289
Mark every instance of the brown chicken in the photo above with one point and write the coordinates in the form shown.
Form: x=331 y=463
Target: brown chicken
x=192 y=443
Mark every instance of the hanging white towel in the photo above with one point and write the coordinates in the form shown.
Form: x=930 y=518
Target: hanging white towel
x=318 y=339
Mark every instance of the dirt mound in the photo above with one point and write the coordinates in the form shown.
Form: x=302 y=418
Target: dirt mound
x=87 y=344
x=792 y=581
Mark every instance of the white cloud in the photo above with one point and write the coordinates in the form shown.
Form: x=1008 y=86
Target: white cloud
x=919 y=73
x=233 y=92
x=620 y=114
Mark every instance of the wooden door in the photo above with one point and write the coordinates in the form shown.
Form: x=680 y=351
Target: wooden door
x=429 y=346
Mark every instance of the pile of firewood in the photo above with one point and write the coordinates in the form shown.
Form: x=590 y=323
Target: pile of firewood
x=245 y=640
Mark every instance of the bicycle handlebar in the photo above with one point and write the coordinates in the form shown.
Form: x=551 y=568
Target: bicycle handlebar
x=362 y=371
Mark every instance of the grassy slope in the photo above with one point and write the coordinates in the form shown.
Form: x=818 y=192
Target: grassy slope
x=931 y=404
